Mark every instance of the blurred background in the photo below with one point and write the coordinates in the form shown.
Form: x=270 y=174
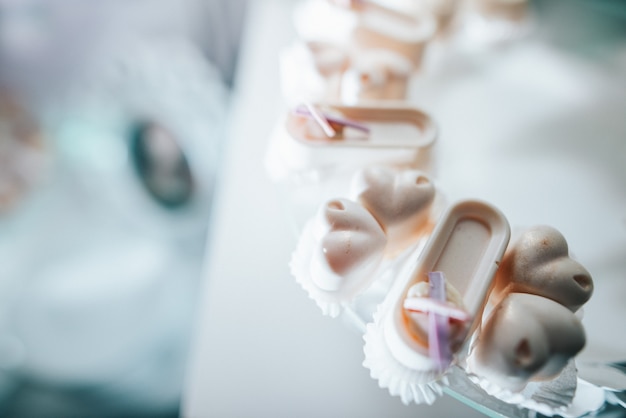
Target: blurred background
x=112 y=118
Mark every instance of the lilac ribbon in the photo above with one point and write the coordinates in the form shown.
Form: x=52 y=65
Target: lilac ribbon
x=438 y=326
x=304 y=111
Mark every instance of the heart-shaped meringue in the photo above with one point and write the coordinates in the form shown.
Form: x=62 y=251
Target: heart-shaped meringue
x=539 y=263
x=350 y=247
x=399 y=200
x=526 y=337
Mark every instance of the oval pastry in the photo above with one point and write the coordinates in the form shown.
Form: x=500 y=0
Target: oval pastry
x=407 y=350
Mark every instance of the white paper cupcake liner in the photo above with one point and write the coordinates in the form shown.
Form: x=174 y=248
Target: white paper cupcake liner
x=419 y=386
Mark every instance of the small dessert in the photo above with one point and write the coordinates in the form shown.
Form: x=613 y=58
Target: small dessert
x=400 y=201
x=396 y=136
x=413 y=340
x=341 y=249
x=365 y=25
x=532 y=333
x=338 y=254
x=376 y=75
x=527 y=337
x=351 y=246
x=539 y=263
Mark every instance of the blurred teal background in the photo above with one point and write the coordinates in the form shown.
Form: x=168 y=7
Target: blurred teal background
x=112 y=118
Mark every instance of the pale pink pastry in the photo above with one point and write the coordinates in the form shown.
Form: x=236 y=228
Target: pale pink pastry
x=532 y=333
x=539 y=263
x=527 y=337
x=399 y=200
x=396 y=135
x=376 y=75
x=350 y=247
x=338 y=254
x=465 y=248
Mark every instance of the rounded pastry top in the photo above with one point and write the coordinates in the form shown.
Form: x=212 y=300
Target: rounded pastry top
x=350 y=245
x=527 y=337
x=539 y=263
x=399 y=200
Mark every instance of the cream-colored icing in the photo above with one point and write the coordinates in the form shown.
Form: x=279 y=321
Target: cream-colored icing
x=399 y=200
x=350 y=245
x=526 y=337
x=539 y=263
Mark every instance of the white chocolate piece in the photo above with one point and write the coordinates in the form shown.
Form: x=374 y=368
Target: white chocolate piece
x=350 y=247
x=466 y=246
x=376 y=75
x=539 y=264
x=526 y=337
x=399 y=200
